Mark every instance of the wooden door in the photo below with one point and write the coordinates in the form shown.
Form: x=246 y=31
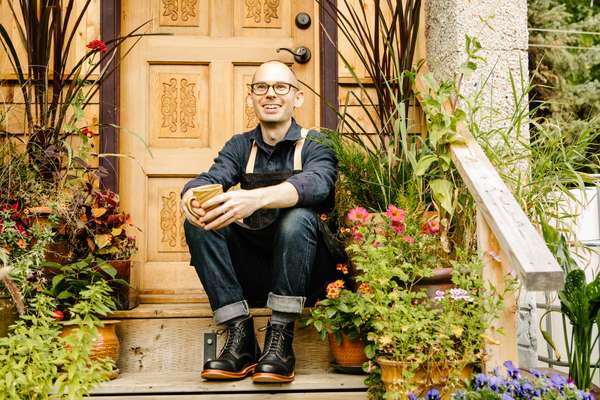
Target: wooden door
x=182 y=97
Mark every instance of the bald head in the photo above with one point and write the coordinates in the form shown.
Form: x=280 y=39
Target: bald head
x=275 y=71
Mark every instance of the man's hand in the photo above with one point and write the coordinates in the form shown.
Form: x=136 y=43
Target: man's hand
x=191 y=209
x=230 y=206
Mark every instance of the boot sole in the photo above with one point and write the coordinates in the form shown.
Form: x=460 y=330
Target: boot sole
x=264 y=377
x=219 y=374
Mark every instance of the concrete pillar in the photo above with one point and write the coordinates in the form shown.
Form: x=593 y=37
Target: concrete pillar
x=501 y=28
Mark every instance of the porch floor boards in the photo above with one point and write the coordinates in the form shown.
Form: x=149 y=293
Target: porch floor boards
x=322 y=385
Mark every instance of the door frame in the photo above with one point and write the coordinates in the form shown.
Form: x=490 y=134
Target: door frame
x=110 y=28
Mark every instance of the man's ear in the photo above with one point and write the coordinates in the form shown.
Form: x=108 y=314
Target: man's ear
x=299 y=99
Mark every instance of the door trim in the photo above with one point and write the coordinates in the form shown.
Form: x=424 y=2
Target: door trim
x=110 y=28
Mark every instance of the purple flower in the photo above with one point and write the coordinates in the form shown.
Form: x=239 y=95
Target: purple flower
x=558 y=382
x=496 y=383
x=460 y=294
x=512 y=371
x=432 y=394
x=412 y=396
x=439 y=295
x=536 y=373
x=459 y=395
x=506 y=396
x=480 y=381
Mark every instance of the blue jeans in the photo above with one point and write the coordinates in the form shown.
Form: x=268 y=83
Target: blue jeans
x=273 y=266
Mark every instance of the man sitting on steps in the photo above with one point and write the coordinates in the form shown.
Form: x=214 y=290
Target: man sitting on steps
x=276 y=256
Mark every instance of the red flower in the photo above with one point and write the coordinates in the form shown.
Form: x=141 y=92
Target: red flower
x=97 y=45
x=357 y=235
x=58 y=315
x=87 y=132
x=395 y=214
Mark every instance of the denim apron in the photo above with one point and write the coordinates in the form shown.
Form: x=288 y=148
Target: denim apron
x=324 y=267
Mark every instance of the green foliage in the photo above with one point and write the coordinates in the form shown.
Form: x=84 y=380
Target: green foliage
x=37 y=363
x=565 y=65
x=67 y=284
x=579 y=304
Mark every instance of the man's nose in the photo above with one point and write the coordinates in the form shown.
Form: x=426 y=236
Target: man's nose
x=271 y=92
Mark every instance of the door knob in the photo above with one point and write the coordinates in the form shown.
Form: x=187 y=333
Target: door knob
x=301 y=54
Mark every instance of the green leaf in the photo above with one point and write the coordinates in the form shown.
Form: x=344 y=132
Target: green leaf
x=424 y=163
x=549 y=340
x=57 y=279
x=319 y=325
x=65 y=294
x=442 y=190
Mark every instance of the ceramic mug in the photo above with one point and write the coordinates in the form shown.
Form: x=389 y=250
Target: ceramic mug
x=202 y=194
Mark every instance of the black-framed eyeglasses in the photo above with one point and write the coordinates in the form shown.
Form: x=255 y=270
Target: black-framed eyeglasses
x=261 y=88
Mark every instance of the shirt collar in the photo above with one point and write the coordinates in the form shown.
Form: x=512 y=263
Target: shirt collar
x=292 y=135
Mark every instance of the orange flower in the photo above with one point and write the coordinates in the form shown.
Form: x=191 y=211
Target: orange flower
x=21 y=243
x=343 y=268
x=364 y=288
x=334 y=288
x=323 y=217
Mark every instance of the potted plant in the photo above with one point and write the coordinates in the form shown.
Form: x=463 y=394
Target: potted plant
x=417 y=341
x=337 y=318
x=92 y=223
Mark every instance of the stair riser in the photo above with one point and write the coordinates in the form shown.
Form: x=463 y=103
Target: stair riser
x=177 y=345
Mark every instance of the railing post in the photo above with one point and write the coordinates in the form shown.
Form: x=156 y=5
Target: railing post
x=501 y=338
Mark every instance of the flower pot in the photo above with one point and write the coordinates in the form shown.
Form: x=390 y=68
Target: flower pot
x=106 y=345
x=432 y=375
x=126 y=295
x=349 y=353
x=8 y=314
x=440 y=280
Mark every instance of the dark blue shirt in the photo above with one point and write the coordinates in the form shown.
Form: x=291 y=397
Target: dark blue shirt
x=315 y=184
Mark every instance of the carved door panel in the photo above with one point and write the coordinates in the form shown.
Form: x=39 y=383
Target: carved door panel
x=182 y=97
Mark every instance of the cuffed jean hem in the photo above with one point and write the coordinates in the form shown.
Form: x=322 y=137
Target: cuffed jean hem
x=288 y=304
x=231 y=311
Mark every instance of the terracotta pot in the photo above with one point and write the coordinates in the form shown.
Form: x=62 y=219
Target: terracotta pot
x=106 y=345
x=349 y=353
x=126 y=295
x=434 y=375
x=440 y=280
x=8 y=314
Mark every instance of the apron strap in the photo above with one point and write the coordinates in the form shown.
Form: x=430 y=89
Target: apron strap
x=298 y=150
x=251 y=159
x=297 y=153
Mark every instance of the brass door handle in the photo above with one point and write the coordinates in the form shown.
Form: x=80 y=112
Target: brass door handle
x=301 y=54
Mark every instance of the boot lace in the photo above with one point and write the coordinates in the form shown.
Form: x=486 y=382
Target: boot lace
x=234 y=337
x=274 y=343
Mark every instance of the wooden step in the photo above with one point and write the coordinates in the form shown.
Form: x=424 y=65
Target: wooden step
x=178 y=386
x=169 y=338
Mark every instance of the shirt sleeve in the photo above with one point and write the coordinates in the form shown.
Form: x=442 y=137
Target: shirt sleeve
x=319 y=172
x=225 y=169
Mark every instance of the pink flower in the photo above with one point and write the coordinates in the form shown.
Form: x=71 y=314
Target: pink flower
x=377 y=244
x=357 y=235
x=432 y=227
x=398 y=227
x=395 y=214
x=97 y=45
x=408 y=239
x=460 y=294
x=358 y=214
